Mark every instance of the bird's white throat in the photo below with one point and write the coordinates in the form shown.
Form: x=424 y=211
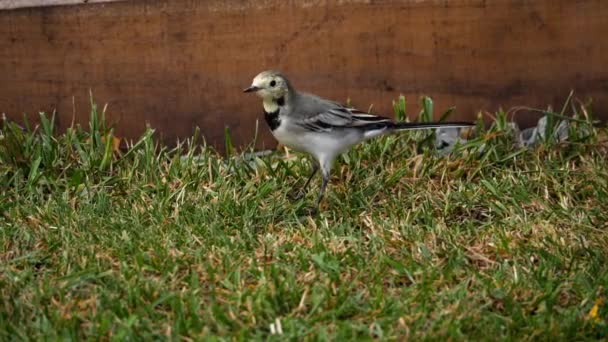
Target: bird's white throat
x=270 y=106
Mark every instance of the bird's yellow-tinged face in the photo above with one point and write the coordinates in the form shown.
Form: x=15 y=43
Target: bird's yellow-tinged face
x=269 y=85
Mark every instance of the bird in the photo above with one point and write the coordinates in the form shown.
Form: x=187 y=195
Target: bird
x=322 y=128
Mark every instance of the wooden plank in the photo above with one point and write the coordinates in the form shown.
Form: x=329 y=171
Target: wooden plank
x=180 y=64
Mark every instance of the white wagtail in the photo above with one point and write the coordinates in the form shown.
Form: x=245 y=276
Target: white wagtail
x=322 y=128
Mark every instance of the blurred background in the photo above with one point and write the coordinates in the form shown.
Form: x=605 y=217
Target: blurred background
x=179 y=64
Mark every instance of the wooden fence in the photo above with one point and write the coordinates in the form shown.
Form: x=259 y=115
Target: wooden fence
x=180 y=64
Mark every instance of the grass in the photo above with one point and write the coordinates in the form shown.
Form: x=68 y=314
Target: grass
x=492 y=242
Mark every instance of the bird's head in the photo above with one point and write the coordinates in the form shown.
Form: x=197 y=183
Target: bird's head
x=270 y=85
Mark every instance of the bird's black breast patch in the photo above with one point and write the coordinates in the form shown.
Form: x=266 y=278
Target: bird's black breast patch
x=272 y=119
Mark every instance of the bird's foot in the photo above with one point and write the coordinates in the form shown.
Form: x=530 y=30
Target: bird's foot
x=296 y=195
x=309 y=211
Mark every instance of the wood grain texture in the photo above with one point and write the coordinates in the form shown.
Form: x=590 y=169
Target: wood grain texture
x=180 y=64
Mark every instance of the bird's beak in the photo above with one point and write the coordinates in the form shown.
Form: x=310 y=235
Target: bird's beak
x=250 y=89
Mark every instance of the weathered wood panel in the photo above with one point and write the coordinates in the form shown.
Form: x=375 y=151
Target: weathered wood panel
x=179 y=64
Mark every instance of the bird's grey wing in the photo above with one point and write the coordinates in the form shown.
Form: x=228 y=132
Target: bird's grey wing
x=321 y=115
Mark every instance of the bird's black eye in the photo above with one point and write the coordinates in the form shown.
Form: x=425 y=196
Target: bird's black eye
x=273 y=83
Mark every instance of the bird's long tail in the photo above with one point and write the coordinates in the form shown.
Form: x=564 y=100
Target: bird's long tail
x=405 y=126
x=380 y=128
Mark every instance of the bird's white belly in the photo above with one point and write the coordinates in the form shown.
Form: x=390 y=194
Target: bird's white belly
x=319 y=144
x=294 y=141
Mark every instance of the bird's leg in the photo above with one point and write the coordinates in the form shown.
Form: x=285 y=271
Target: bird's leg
x=297 y=194
x=315 y=168
x=322 y=191
x=325 y=171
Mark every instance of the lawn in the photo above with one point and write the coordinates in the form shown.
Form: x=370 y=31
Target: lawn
x=492 y=241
